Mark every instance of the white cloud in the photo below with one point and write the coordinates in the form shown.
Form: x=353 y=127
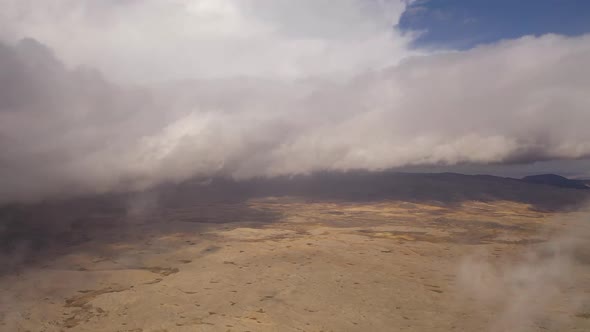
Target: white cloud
x=153 y=40
x=66 y=130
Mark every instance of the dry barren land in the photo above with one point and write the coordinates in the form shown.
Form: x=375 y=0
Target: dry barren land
x=286 y=264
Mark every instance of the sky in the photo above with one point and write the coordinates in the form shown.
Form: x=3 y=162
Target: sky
x=109 y=95
x=464 y=24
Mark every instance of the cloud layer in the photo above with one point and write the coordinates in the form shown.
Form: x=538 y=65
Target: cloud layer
x=153 y=40
x=316 y=94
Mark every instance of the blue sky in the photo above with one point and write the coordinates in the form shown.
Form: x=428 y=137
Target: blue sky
x=462 y=24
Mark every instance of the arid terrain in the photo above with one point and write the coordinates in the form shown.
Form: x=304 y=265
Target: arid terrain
x=294 y=264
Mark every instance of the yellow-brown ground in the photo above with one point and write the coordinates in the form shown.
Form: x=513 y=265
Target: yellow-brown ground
x=283 y=264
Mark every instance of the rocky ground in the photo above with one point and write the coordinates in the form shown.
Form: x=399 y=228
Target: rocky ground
x=286 y=264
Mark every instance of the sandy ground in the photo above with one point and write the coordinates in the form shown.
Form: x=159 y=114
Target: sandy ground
x=289 y=265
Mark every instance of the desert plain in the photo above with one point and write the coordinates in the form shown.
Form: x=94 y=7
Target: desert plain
x=291 y=264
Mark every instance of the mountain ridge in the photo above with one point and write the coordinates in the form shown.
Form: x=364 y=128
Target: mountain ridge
x=555 y=180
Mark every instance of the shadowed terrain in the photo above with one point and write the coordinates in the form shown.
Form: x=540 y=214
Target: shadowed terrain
x=47 y=226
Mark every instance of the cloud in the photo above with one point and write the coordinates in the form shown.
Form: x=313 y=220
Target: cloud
x=521 y=291
x=70 y=129
x=153 y=40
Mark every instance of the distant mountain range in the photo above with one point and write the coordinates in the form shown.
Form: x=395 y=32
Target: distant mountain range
x=557 y=180
x=547 y=191
x=543 y=192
